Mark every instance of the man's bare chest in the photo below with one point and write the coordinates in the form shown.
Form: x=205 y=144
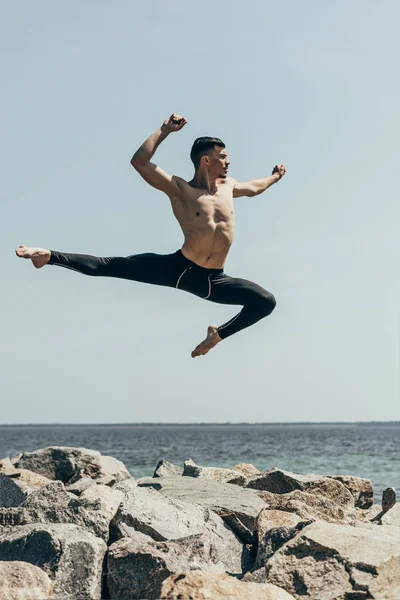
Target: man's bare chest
x=216 y=208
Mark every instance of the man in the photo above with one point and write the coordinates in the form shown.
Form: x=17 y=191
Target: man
x=204 y=209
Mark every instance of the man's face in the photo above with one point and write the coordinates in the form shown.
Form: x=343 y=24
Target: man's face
x=218 y=162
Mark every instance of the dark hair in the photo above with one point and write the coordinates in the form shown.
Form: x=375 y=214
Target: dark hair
x=202 y=146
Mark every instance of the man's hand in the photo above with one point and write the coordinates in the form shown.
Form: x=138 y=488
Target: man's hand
x=279 y=171
x=173 y=123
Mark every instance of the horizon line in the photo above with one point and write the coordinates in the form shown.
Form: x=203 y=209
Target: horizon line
x=176 y=423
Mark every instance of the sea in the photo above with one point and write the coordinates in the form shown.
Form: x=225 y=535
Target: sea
x=370 y=450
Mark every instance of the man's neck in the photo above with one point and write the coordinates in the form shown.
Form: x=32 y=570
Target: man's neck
x=203 y=180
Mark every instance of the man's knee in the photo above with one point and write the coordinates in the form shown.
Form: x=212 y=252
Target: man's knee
x=266 y=304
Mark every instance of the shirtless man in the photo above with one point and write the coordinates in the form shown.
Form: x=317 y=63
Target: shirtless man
x=204 y=209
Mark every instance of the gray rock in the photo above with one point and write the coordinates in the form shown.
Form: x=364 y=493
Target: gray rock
x=92 y=511
x=26 y=480
x=82 y=484
x=275 y=528
x=361 y=489
x=392 y=516
x=237 y=506
x=10 y=494
x=71 y=557
x=167 y=469
x=162 y=518
x=190 y=469
x=278 y=481
x=246 y=469
x=339 y=562
x=309 y=506
x=70 y=464
x=23 y=581
x=137 y=568
x=198 y=585
x=126 y=486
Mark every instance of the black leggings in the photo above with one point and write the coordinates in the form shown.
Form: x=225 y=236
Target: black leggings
x=175 y=270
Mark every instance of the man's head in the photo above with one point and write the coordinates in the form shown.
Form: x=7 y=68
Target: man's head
x=210 y=152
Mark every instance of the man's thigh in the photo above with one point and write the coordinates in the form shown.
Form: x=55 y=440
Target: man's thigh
x=235 y=290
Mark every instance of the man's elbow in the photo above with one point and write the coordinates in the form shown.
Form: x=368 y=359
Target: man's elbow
x=135 y=162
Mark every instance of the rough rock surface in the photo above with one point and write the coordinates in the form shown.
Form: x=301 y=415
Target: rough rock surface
x=246 y=469
x=190 y=469
x=23 y=581
x=137 y=567
x=279 y=481
x=71 y=556
x=392 y=517
x=163 y=518
x=167 y=469
x=198 y=585
x=237 y=506
x=93 y=510
x=26 y=480
x=10 y=493
x=339 y=562
x=70 y=464
x=334 y=490
x=360 y=488
x=275 y=528
x=309 y=506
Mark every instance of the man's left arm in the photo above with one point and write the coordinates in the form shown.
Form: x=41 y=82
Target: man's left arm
x=258 y=186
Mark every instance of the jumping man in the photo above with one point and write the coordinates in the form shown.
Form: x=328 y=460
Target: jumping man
x=204 y=209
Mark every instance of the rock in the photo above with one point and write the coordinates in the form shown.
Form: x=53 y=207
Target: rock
x=279 y=481
x=71 y=556
x=83 y=483
x=10 y=494
x=23 y=581
x=137 y=568
x=361 y=489
x=339 y=562
x=309 y=506
x=126 y=486
x=26 y=480
x=275 y=528
x=92 y=511
x=70 y=464
x=388 y=499
x=392 y=516
x=190 y=469
x=167 y=469
x=246 y=469
x=237 y=506
x=334 y=490
x=162 y=518
x=198 y=585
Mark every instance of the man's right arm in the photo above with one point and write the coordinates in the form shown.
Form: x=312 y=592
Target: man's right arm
x=150 y=172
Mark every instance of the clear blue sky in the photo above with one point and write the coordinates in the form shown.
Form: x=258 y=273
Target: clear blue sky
x=311 y=84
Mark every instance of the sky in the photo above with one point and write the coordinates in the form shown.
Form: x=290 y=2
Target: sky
x=313 y=85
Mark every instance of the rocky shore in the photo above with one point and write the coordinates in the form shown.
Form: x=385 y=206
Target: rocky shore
x=75 y=525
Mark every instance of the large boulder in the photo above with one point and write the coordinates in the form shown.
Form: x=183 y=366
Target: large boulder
x=93 y=510
x=198 y=585
x=10 y=493
x=26 y=480
x=167 y=469
x=161 y=518
x=275 y=528
x=309 y=506
x=339 y=562
x=190 y=469
x=360 y=488
x=392 y=516
x=23 y=581
x=71 y=557
x=278 y=481
x=70 y=464
x=137 y=566
x=237 y=506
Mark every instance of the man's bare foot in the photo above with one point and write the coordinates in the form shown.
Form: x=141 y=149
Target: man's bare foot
x=39 y=256
x=211 y=340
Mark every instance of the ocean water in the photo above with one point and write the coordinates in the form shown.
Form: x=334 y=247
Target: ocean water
x=364 y=449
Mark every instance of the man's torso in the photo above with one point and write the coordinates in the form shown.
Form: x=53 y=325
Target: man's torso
x=207 y=221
